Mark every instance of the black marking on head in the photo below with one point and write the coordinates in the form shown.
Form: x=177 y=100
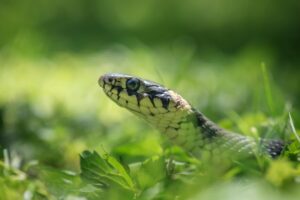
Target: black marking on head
x=119 y=89
x=112 y=88
x=152 y=100
x=130 y=92
x=139 y=97
x=165 y=100
x=154 y=91
x=152 y=114
x=110 y=79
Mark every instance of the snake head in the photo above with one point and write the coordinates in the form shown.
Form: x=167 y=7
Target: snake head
x=141 y=96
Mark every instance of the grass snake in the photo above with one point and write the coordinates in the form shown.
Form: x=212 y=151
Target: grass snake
x=181 y=123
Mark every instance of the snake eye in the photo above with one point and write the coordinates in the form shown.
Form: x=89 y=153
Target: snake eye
x=133 y=84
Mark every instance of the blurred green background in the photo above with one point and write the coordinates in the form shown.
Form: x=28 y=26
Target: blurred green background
x=236 y=61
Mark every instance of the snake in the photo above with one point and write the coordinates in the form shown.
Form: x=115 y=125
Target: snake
x=179 y=121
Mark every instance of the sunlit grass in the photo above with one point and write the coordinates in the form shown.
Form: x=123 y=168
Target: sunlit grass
x=52 y=109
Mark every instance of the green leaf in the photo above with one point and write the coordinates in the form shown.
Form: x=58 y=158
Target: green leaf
x=55 y=179
x=123 y=173
x=151 y=172
x=104 y=171
x=280 y=171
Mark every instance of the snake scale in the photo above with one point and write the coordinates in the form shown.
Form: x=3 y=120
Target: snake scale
x=181 y=123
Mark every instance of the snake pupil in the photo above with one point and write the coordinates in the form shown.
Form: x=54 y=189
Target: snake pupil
x=133 y=84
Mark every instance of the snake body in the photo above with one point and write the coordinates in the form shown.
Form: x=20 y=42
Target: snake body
x=181 y=123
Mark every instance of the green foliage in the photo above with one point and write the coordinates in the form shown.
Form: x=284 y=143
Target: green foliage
x=52 y=110
x=102 y=172
x=151 y=172
x=280 y=171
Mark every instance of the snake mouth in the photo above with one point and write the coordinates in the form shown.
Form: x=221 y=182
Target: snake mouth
x=114 y=88
x=107 y=79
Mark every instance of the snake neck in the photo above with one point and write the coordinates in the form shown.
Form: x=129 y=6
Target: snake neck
x=194 y=132
x=207 y=128
x=189 y=129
